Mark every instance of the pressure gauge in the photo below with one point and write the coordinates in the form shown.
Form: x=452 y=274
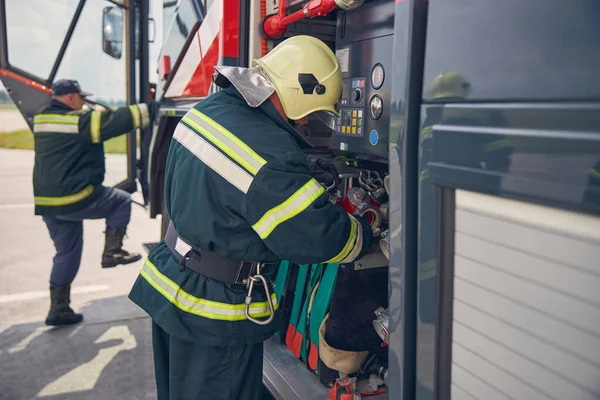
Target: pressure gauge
x=375 y=106
x=377 y=76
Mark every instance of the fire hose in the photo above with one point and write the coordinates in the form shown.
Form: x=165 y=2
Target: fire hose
x=274 y=26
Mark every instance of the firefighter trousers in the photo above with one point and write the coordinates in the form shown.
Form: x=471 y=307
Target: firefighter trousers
x=192 y=371
x=66 y=231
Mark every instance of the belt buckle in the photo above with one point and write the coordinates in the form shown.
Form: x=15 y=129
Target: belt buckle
x=244 y=271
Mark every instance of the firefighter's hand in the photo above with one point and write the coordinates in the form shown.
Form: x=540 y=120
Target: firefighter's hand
x=98 y=107
x=323 y=171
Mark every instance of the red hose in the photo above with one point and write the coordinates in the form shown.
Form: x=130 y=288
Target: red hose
x=275 y=26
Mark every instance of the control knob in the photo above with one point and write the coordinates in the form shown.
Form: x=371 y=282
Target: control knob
x=356 y=95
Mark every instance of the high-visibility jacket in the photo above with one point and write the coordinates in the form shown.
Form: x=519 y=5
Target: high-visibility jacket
x=238 y=183
x=69 y=154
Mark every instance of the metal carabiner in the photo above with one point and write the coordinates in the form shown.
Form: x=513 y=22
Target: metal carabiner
x=252 y=279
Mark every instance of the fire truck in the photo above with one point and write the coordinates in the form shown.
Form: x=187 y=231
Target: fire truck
x=468 y=136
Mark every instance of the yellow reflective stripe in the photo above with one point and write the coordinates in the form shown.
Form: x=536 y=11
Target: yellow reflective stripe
x=213 y=158
x=145 y=114
x=225 y=140
x=358 y=244
x=55 y=123
x=135 y=114
x=293 y=206
x=594 y=173
x=349 y=243
x=55 y=128
x=427 y=131
x=64 y=200
x=56 y=118
x=95 y=126
x=498 y=144
x=198 y=306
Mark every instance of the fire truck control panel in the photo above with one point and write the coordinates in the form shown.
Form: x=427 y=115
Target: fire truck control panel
x=364 y=43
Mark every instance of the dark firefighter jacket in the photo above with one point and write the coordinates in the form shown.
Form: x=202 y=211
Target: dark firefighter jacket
x=69 y=153
x=237 y=183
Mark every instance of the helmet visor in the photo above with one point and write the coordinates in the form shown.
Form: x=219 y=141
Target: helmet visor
x=328 y=118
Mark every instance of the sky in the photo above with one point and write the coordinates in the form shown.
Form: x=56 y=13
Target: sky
x=36 y=29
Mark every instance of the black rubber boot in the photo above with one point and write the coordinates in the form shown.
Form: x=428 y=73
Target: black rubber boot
x=60 y=313
x=113 y=253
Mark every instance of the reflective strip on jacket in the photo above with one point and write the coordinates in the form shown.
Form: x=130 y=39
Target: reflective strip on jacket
x=237 y=182
x=69 y=153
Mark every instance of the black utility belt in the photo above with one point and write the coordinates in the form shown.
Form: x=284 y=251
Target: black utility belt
x=209 y=263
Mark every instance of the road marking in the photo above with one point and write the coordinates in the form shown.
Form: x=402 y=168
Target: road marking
x=75 y=331
x=22 y=345
x=85 y=376
x=8 y=298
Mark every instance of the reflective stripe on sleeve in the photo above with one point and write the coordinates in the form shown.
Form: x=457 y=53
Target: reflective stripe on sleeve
x=594 y=173
x=198 y=306
x=95 y=120
x=136 y=115
x=145 y=114
x=63 y=200
x=216 y=161
x=293 y=206
x=227 y=142
x=353 y=245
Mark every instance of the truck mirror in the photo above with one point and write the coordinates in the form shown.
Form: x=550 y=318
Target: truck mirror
x=112 y=31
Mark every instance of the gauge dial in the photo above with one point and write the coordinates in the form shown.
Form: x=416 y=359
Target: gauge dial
x=375 y=107
x=377 y=76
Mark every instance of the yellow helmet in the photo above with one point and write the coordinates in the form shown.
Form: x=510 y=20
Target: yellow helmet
x=450 y=84
x=305 y=74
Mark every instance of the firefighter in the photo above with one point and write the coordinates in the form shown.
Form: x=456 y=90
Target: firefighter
x=241 y=198
x=67 y=184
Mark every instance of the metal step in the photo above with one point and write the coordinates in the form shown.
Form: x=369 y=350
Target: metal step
x=286 y=377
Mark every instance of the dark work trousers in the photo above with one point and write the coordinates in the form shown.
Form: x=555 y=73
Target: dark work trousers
x=192 y=371
x=66 y=231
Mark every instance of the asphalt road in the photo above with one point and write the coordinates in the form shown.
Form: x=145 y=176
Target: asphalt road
x=109 y=355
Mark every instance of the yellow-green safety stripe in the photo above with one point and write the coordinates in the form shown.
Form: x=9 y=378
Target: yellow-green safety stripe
x=95 y=121
x=64 y=200
x=594 y=173
x=136 y=115
x=294 y=205
x=56 y=118
x=349 y=246
x=198 y=306
x=55 y=123
x=224 y=140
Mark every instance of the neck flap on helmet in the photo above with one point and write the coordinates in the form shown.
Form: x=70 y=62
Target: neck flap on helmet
x=252 y=84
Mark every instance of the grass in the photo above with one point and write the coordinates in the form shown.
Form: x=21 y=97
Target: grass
x=17 y=140
x=23 y=140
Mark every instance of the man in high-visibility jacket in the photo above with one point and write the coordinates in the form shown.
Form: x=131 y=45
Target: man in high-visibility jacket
x=67 y=185
x=241 y=198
